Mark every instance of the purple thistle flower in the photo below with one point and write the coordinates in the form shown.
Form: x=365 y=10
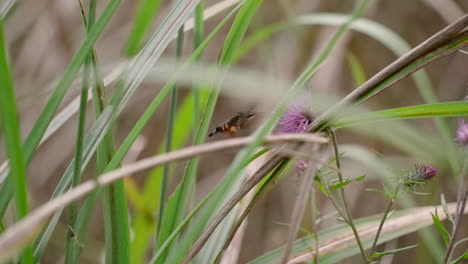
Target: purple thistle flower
x=421 y=174
x=296 y=119
x=462 y=133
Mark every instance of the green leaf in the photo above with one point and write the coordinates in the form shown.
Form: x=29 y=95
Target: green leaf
x=340 y=185
x=346 y=182
x=409 y=112
x=460 y=258
x=391 y=252
x=441 y=228
x=446 y=211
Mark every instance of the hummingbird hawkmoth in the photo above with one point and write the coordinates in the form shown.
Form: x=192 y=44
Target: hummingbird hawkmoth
x=233 y=124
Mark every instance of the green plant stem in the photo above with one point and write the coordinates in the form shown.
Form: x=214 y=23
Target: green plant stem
x=384 y=218
x=349 y=218
x=314 y=211
x=72 y=244
x=462 y=198
x=197 y=40
x=170 y=132
x=73 y=209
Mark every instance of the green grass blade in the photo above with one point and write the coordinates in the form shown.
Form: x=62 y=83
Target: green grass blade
x=180 y=198
x=409 y=112
x=144 y=227
x=180 y=136
x=11 y=132
x=34 y=137
x=147 y=11
x=72 y=244
x=120 y=231
x=389 y=39
x=232 y=176
x=357 y=70
x=169 y=135
x=197 y=40
x=132 y=78
x=5 y=7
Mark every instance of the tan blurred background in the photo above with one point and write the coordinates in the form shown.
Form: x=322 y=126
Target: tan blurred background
x=43 y=35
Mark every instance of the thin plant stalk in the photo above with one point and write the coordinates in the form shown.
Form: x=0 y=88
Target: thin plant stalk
x=170 y=132
x=349 y=218
x=72 y=243
x=197 y=40
x=73 y=209
x=314 y=223
x=462 y=198
x=384 y=218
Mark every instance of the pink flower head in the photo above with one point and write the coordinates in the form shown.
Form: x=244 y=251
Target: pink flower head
x=462 y=133
x=296 y=119
x=301 y=165
x=421 y=174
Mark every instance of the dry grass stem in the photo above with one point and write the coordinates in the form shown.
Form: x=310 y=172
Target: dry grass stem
x=299 y=207
x=15 y=237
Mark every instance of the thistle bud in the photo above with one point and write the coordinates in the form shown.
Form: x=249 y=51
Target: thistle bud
x=421 y=174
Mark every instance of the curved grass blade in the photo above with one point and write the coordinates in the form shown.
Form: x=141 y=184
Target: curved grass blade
x=409 y=112
x=389 y=39
x=37 y=132
x=236 y=167
x=132 y=78
x=68 y=111
x=179 y=200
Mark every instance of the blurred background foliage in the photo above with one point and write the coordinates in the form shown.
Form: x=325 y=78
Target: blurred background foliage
x=43 y=35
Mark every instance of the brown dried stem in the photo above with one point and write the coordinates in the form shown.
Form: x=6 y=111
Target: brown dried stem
x=15 y=237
